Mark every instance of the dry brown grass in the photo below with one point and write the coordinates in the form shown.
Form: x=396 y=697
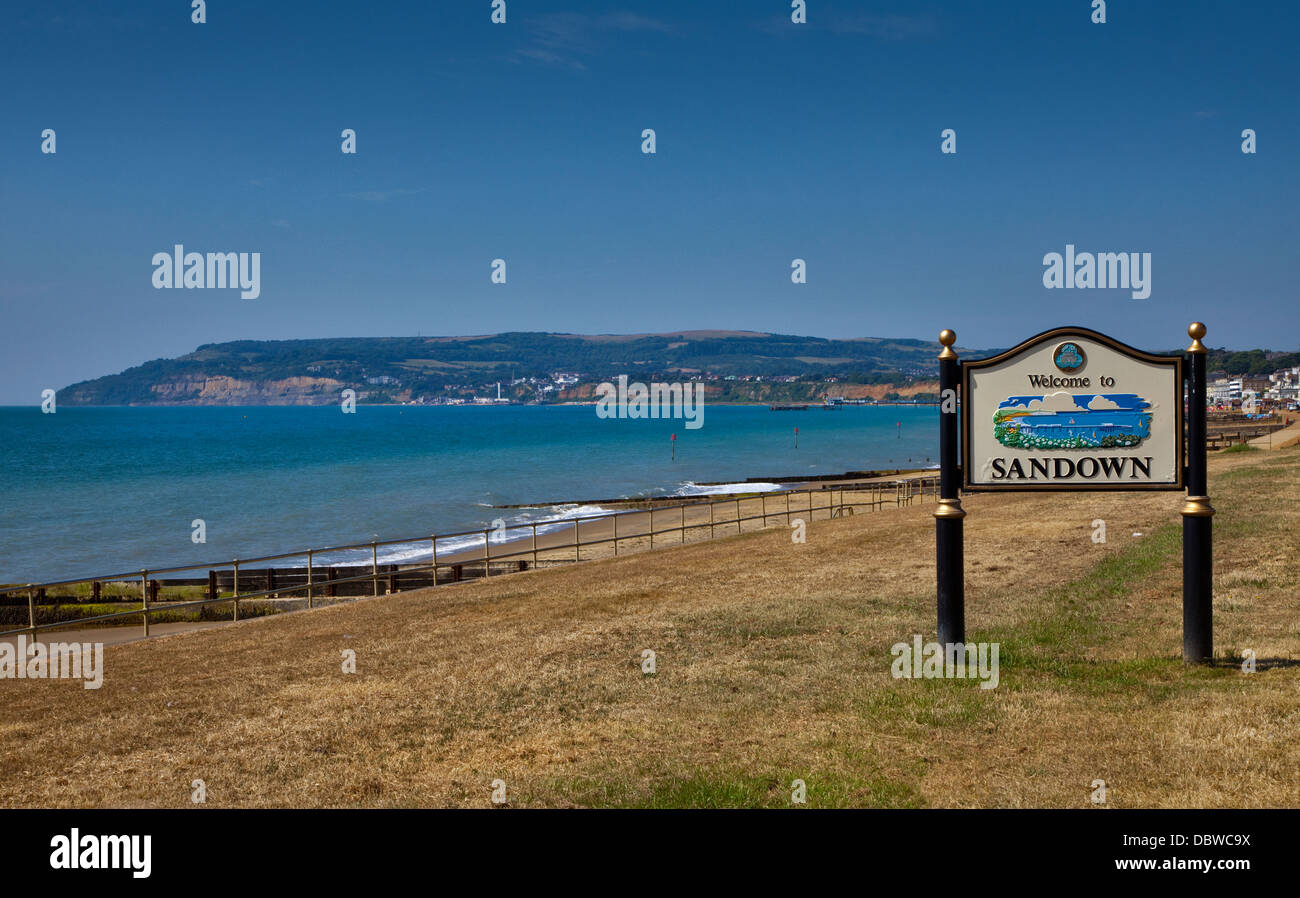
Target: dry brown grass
x=773 y=663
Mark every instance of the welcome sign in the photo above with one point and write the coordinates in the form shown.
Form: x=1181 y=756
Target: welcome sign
x=1072 y=409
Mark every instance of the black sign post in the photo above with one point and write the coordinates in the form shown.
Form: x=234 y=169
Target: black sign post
x=1190 y=471
x=948 y=516
x=1198 y=517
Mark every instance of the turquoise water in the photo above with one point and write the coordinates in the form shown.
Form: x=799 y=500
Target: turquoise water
x=1090 y=427
x=90 y=491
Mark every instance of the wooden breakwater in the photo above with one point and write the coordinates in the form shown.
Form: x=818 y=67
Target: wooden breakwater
x=1229 y=431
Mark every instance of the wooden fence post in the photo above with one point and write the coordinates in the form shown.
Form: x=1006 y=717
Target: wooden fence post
x=236 y=590
x=310 y=555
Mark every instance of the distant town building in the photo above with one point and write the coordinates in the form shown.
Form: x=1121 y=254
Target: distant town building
x=1255 y=394
x=1225 y=391
x=1284 y=387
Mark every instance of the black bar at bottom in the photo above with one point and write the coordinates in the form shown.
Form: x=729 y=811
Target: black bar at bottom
x=1028 y=845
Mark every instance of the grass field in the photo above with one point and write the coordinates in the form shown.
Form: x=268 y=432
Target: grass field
x=772 y=665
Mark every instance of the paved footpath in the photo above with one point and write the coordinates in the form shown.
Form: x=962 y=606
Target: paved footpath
x=1278 y=439
x=114 y=635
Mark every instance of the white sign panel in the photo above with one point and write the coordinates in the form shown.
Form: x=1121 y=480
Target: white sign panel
x=1072 y=409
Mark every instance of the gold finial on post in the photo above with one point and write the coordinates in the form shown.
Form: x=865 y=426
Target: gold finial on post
x=1196 y=330
x=946 y=339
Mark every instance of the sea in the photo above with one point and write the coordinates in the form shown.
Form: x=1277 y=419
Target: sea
x=88 y=492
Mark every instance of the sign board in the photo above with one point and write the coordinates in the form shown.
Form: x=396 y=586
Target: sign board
x=1072 y=409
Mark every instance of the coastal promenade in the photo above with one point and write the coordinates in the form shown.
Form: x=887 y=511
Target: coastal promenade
x=1279 y=439
x=169 y=600
x=111 y=635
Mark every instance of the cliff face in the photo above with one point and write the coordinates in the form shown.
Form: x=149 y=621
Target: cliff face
x=879 y=391
x=222 y=390
x=401 y=369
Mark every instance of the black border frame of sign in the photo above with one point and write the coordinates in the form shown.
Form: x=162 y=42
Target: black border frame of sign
x=1173 y=361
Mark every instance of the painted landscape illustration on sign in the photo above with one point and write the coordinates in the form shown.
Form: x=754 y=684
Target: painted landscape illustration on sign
x=1064 y=420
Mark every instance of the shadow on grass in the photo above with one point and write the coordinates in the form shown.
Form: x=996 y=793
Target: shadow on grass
x=1234 y=662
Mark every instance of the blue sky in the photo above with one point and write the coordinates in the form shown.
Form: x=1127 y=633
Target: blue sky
x=522 y=141
x=1081 y=400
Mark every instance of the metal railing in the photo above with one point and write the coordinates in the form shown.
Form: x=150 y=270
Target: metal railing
x=871 y=495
